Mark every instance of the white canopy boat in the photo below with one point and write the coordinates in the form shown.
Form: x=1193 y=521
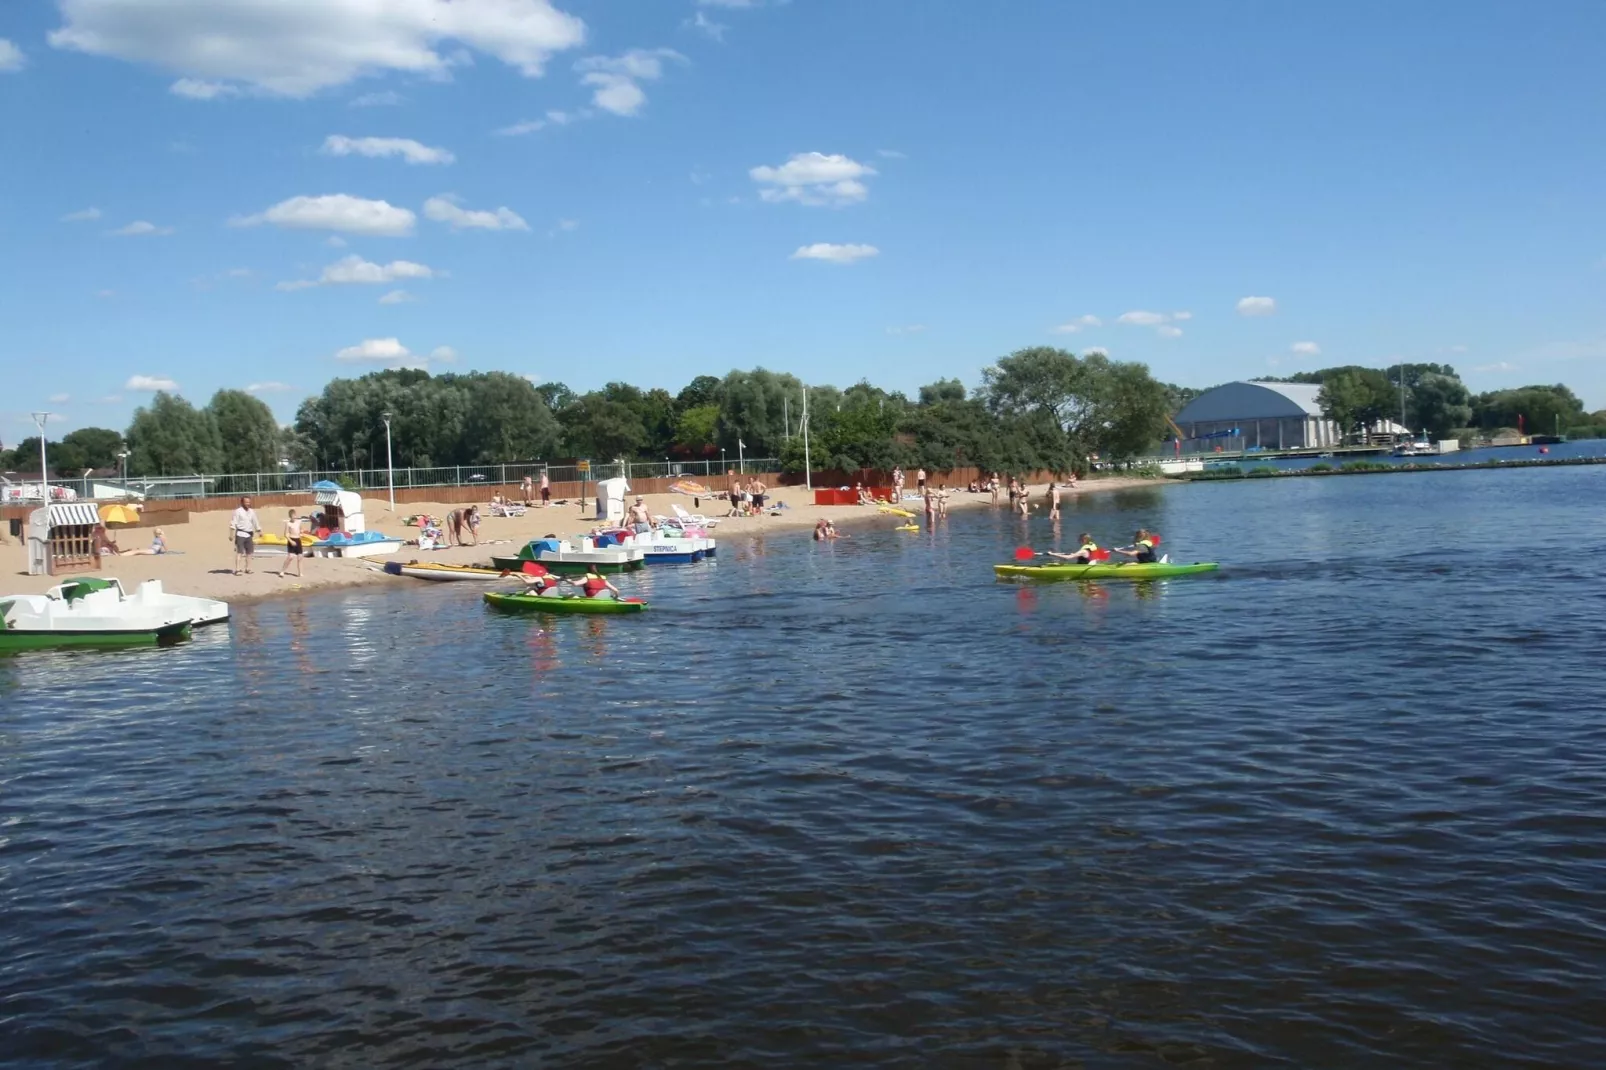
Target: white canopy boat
x=64 y=617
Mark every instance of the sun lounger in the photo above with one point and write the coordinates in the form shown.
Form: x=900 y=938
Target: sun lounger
x=693 y=518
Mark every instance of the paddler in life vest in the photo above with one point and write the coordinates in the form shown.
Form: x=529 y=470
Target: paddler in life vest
x=594 y=584
x=1085 y=553
x=1142 y=548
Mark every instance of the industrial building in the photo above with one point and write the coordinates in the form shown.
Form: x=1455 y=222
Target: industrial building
x=1274 y=416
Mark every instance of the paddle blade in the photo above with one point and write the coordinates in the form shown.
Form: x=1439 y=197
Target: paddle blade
x=1155 y=539
x=1025 y=553
x=1100 y=555
x=531 y=568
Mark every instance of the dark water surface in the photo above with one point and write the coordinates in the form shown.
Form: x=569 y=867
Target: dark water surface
x=1342 y=805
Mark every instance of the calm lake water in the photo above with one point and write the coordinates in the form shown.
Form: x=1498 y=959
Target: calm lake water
x=1343 y=804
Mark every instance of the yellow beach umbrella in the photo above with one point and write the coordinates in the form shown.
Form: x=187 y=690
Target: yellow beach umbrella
x=117 y=513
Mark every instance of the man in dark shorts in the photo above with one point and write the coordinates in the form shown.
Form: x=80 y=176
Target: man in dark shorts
x=244 y=528
x=546 y=487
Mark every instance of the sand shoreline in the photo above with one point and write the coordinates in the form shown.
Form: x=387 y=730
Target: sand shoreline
x=202 y=563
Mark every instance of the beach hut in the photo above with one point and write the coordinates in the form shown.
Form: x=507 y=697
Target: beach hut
x=61 y=538
x=611 y=498
x=342 y=509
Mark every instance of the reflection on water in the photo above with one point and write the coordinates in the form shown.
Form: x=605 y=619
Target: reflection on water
x=852 y=803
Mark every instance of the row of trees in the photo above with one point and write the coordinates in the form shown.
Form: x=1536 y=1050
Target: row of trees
x=234 y=432
x=1435 y=400
x=1038 y=408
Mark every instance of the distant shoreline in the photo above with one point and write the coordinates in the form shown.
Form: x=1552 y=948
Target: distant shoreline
x=1373 y=468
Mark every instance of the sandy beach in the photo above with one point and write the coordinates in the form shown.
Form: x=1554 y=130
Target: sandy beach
x=201 y=561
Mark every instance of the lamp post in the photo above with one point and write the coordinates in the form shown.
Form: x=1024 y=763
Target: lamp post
x=123 y=456
x=390 y=468
x=39 y=418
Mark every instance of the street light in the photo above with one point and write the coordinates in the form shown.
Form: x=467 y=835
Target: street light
x=390 y=468
x=123 y=456
x=39 y=418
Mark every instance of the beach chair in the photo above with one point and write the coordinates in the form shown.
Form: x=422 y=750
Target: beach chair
x=693 y=518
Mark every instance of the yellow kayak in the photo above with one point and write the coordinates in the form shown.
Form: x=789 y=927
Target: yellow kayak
x=893 y=510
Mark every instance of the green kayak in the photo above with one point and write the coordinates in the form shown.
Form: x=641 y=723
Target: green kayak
x=522 y=602
x=1131 y=570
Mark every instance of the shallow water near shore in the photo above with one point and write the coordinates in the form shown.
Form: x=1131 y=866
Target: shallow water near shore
x=854 y=803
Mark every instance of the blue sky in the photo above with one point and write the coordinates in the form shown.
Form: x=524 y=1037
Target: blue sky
x=647 y=190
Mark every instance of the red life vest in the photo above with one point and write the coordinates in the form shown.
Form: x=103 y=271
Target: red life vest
x=594 y=585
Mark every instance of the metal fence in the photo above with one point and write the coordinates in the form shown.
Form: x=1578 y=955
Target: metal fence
x=378 y=479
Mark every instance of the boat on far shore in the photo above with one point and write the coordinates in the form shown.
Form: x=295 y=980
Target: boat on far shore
x=564 y=558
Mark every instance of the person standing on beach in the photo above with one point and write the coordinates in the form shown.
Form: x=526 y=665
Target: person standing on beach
x=942 y=501
x=526 y=490
x=931 y=509
x=243 y=530
x=920 y=480
x=992 y=485
x=292 y=544
x=757 y=487
x=1054 y=501
x=897 y=484
x=1025 y=495
x=546 y=488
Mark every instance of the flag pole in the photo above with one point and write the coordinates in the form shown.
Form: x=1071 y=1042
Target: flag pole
x=808 y=475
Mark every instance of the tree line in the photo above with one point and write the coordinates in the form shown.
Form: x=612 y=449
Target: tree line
x=1037 y=409
x=1435 y=400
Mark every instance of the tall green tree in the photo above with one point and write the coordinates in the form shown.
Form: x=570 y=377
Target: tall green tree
x=248 y=433
x=1439 y=404
x=171 y=437
x=508 y=421
x=1068 y=408
x=90 y=447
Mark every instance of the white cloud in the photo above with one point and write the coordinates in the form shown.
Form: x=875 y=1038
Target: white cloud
x=380 y=350
x=1456 y=349
x=445 y=209
x=444 y=354
x=616 y=80
x=268 y=388
x=530 y=126
x=814 y=178
x=1256 y=306
x=525 y=126
x=702 y=23
x=1180 y=316
x=727 y=3
x=1168 y=331
x=139 y=228
x=1498 y=366
x=375 y=100
x=109 y=399
x=405 y=147
x=295 y=48
x=335 y=241
x=397 y=297
x=891 y=154
x=1077 y=324
x=197 y=89
x=1305 y=349
x=11 y=57
x=335 y=211
x=913 y=328
x=1140 y=318
x=354 y=269
x=1095 y=351
x=149 y=382
x=83 y=215
x=835 y=254
x=59 y=399
x=238 y=273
